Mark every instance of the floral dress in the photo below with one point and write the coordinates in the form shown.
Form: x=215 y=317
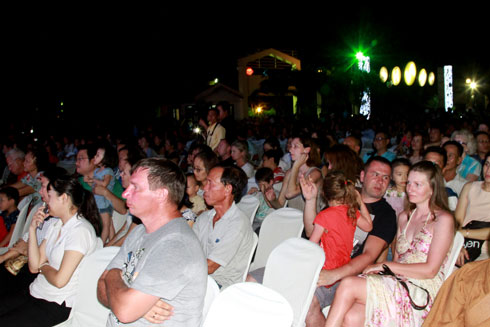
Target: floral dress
x=387 y=302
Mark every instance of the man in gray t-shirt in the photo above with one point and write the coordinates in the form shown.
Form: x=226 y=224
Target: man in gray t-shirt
x=161 y=261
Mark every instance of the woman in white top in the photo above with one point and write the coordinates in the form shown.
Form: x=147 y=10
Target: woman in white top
x=239 y=153
x=74 y=236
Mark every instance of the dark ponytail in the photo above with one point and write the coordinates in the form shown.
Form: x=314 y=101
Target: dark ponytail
x=82 y=199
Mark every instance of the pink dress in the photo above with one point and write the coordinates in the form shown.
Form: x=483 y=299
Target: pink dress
x=387 y=302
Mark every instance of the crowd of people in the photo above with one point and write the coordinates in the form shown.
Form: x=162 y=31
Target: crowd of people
x=382 y=199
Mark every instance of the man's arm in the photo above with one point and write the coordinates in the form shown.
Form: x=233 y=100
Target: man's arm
x=118 y=204
x=127 y=304
x=372 y=249
x=212 y=266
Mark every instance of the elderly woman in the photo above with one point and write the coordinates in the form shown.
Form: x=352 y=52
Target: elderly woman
x=424 y=237
x=51 y=295
x=469 y=168
x=35 y=161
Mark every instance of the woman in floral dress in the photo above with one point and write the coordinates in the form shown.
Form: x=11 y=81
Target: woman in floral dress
x=424 y=238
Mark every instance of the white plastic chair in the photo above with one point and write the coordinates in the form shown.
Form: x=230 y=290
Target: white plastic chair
x=19 y=226
x=254 y=246
x=277 y=227
x=292 y=270
x=249 y=205
x=249 y=304
x=458 y=242
x=29 y=218
x=118 y=220
x=212 y=292
x=88 y=311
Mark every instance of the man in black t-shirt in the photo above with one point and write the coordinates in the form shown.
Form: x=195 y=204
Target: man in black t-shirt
x=375 y=179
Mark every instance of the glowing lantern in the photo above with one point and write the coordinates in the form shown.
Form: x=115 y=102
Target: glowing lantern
x=422 y=77
x=383 y=74
x=410 y=73
x=396 y=75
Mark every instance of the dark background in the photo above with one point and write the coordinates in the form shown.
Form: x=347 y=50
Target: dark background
x=106 y=61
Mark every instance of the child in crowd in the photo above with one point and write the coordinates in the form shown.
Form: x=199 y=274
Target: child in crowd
x=9 y=199
x=198 y=205
x=271 y=159
x=395 y=195
x=105 y=160
x=186 y=209
x=264 y=177
x=335 y=226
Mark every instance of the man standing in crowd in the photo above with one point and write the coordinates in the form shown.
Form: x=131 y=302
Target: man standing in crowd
x=214 y=131
x=226 y=120
x=161 y=260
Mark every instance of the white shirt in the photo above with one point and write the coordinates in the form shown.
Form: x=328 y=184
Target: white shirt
x=76 y=235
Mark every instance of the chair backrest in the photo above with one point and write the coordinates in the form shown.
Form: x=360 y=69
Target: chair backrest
x=88 y=311
x=252 y=251
x=212 y=292
x=453 y=255
x=278 y=226
x=119 y=219
x=249 y=205
x=292 y=270
x=19 y=225
x=29 y=218
x=249 y=304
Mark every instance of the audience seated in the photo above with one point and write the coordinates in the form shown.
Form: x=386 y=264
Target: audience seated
x=379 y=299
x=57 y=260
x=472 y=215
x=470 y=168
x=225 y=232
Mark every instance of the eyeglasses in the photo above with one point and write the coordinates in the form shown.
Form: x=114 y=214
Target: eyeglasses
x=379 y=138
x=80 y=159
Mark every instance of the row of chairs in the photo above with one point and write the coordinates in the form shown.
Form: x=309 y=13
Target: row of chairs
x=289 y=283
x=286 y=222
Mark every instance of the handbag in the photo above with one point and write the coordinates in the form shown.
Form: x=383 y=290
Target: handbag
x=387 y=271
x=13 y=265
x=472 y=245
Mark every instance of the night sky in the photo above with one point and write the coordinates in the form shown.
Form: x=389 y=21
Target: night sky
x=110 y=59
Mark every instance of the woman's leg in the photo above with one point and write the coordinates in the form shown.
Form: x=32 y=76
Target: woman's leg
x=355 y=316
x=352 y=290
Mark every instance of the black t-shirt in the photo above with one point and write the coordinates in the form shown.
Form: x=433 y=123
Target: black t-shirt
x=384 y=223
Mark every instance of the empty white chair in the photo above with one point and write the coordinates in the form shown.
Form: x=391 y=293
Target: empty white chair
x=458 y=242
x=254 y=246
x=278 y=226
x=249 y=205
x=292 y=270
x=87 y=311
x=249 y=304
x=212 y=292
